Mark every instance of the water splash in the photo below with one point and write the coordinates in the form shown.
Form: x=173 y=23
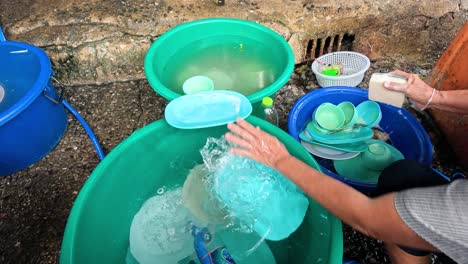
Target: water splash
x=260 y=198
x=198 y=199
x=234 y=196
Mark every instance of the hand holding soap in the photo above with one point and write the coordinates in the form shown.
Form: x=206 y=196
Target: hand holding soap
x=378 y=93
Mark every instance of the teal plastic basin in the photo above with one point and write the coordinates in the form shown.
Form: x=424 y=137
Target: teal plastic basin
x=159 y=155
x=264 y=53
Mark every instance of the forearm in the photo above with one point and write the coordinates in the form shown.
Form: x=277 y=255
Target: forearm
x=375 y=217
x=453 y=101
x=335 y=196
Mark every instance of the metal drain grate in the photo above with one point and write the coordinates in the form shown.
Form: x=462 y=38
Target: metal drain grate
x=318 y=46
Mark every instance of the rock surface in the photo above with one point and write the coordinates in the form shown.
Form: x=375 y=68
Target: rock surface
x=93 y=42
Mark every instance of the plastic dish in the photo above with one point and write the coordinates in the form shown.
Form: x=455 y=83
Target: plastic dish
x=207 y=109
x=197 y=84
x=327 y=153
x=367 y=166
x=322 y=149
x=348 y=147
x=329 y=116
x=221 y=80
x=350 y=113
x=342 y=137
x=369 y=113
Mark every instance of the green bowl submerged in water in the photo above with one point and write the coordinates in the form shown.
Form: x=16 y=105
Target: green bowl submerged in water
x=236 y=54
x=159 y=155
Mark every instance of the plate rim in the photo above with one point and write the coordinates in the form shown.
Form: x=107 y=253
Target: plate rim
x=344 y=156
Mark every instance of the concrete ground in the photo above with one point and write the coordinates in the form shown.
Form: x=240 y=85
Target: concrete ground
x=35 y=203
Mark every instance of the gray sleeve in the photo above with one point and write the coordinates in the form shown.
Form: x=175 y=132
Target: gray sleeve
x=439 y=215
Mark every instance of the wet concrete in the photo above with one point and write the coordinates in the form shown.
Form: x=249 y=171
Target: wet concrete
x=35 y=203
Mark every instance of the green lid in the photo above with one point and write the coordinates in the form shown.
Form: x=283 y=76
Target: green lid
x=267 y=101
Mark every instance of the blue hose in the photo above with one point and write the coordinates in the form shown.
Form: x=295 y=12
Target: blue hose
x=87 y=128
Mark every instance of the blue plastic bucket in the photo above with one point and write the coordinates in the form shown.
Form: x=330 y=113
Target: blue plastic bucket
x=32 y=118
x=405 y=132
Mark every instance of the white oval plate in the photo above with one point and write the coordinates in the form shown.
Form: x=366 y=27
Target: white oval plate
x=327 y=153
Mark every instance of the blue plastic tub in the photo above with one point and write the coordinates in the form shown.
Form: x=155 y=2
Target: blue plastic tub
x=32 y=118
x=405 y=131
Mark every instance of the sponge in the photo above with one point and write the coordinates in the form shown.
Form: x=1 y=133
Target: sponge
x=378 y=93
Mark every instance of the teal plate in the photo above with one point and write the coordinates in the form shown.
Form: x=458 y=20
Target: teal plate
x=343 y=137
x=348 y=147
x=207 y=109
x=357 y=169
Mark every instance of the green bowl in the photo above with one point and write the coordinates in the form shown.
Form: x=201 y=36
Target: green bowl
x=203 y=47
x=329 y=116
x=350 y=113
x=197 y=84
x=160 y=155
x=369 y=113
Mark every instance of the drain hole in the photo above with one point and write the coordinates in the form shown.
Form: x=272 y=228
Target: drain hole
x=347 y=42
x=318 y=46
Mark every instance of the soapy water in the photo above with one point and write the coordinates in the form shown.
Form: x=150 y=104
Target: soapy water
x=160 y=231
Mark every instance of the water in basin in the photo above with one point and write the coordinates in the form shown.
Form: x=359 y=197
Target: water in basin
x=241 y=219
x=242 y=65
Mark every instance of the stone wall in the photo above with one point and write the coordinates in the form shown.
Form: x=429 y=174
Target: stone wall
x=105 y=41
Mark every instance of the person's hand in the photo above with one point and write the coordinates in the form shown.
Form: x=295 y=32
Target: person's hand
x=256 y=144
x=416 y=89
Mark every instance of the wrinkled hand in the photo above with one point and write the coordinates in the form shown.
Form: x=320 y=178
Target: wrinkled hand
x=256 y=144
x=416 y=89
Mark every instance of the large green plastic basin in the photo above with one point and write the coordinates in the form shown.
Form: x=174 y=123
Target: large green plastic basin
x=159 y=155
x=214 y=31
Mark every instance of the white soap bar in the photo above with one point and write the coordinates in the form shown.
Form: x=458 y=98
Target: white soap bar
x=380 y=94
